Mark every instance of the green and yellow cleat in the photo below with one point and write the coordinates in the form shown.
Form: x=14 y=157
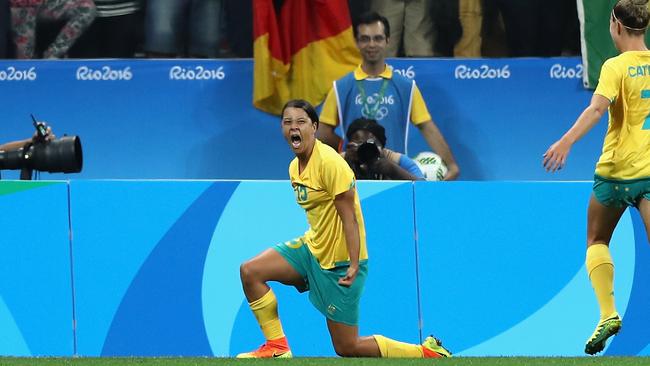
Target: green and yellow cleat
x=432 y=348
x=605 y=329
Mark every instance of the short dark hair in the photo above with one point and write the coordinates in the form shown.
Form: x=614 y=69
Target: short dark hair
x=305 y=106
x=370 y=18
x=369 y=125
x=633 y=15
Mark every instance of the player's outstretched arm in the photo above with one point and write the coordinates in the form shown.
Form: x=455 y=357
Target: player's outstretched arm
x=555 y=157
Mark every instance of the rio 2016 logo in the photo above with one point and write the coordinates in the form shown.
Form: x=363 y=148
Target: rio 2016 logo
x=407 y=73
x=13 y=74
x=563 y=72
x=381 y=110
x=105 y=73
x=482 y=72
x=372 y=99
x=196 y=73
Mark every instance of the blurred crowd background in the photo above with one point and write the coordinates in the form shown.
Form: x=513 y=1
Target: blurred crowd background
x=224 y=28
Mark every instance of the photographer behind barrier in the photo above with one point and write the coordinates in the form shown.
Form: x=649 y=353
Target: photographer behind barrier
x=369 y=159
x=43 y=152
x=15 y=145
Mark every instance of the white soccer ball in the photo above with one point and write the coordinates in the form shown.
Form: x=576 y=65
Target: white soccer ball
x=431 y=165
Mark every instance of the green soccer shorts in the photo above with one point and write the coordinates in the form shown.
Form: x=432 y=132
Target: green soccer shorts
x=621 y=193
x=336 y=302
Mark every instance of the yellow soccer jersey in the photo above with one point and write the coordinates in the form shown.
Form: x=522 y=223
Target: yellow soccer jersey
x=330 y=115
x=325 y=176
x=625 y=81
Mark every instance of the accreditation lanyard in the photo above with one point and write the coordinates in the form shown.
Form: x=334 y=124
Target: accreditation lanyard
x=370 y=111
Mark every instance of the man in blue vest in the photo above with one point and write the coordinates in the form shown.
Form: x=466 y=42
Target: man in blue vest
x=374 y=91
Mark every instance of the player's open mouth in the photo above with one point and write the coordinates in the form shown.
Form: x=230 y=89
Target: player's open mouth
x=295 y=140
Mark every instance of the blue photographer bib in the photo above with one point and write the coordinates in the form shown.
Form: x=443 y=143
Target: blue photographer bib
x=386 y=100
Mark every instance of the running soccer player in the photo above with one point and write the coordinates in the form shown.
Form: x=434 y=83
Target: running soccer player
x=622 y=176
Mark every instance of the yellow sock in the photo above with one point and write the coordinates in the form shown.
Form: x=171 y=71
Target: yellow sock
x=265 y=310
x=394 y=349
x=601 y=273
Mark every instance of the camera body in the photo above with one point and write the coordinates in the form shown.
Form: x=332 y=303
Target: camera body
x=368 y=151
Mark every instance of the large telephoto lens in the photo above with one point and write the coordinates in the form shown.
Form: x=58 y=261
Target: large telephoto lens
x=58 y=156
x=11 y=159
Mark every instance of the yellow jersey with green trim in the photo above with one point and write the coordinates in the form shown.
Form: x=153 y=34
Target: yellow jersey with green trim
x=326 y=175
x=625 y=81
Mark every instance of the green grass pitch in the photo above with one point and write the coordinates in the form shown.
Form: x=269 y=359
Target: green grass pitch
x=460 y=361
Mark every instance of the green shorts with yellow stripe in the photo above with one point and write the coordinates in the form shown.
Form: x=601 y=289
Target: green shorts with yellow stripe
x=621 y=193
x=336 y=302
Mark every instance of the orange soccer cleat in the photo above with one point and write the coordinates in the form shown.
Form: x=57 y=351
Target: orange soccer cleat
x=276 y=348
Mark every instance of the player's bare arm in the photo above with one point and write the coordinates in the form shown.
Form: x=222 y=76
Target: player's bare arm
x=556 y=155
x=344 y=203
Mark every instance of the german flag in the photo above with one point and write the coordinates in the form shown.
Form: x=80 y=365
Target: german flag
x=300 y=53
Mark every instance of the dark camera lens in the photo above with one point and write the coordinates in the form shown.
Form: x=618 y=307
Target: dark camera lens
x=63 y=155
x=58 y=156
x=368 y=152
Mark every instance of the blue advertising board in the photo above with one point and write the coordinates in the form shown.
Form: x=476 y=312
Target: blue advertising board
x=509 y=268
x=157 y=267
x=36 y=312
x=194 y=119
x=151 y=268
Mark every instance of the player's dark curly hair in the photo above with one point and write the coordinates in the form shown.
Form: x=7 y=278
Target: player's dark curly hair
x=305 y=106
x=633 y=15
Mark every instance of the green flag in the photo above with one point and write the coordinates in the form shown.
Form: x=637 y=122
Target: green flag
x=597 y=45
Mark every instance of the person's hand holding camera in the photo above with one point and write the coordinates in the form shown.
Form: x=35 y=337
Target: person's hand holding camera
x=372 y=161
x=43 y=133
